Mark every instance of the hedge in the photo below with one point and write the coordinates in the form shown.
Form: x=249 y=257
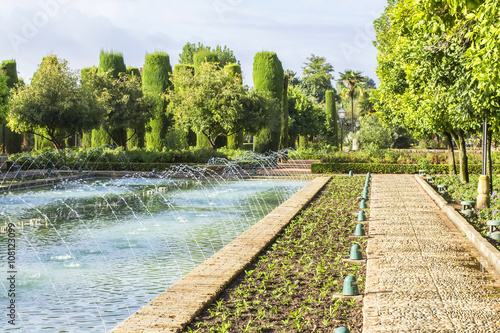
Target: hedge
x=156 y=80
x=112 y=62
x=388 y=168
x=13 y=141
x=331 y=114
x=268 y=76
x=133 y=71
x=372 y=168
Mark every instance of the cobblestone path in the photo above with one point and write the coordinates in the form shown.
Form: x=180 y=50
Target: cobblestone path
x=422 y=274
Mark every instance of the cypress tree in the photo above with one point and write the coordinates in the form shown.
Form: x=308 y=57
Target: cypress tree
x=180 y=67
x=133 y=71
x=268 y=76
x=303 y=141
x=113 y=64
x=155 y=81
x=235 y=140
x=331 y=116
x=100 y=137
x=87 y=136
x=13 y=140
x=284 y=116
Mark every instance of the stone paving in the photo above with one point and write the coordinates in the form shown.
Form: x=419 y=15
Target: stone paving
x=422 y=273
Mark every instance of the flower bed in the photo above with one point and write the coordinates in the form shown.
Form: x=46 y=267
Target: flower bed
x=290 y=287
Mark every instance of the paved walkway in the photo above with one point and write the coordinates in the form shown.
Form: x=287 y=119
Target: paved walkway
x=423 y=275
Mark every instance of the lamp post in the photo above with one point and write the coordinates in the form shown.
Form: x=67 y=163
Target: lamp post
x=341 y=117
x=483 y=188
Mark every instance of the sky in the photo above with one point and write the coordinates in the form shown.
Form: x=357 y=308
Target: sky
x=77 y=30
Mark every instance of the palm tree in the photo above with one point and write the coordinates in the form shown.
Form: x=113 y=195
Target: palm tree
x=348 y=83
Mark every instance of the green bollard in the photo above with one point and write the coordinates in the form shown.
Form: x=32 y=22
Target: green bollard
x=350 y=286
x=359 y=231
x=356 y=252
x=362 y=204
x=361 y=216
x=342 y=329
x=351 y=173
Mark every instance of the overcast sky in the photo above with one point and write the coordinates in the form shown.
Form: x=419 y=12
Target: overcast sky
x=76 y=30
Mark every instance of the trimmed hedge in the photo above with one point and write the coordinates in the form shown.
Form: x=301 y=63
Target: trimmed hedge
x=133 y=71
x=388 y=168
x=156 y=80
x=372 y=167
x=112 y=62
x=13 y=141
x=331 y=114
x=10 y=69
x=184 y=67
x=268 y=76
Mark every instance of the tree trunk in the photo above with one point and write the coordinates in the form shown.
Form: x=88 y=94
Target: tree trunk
x=452 y=169
x=489 y=171
x=459 y=137
x=352 y=110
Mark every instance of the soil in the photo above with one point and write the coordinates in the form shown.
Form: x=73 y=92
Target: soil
x=290 y=288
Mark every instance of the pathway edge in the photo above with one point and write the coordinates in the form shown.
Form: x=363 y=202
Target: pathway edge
x=487 y=250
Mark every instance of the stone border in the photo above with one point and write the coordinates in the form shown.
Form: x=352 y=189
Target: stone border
x=28 y=184
x=482 y=245
x=172 y=310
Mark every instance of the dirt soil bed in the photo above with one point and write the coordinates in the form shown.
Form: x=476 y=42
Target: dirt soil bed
x=290 y=287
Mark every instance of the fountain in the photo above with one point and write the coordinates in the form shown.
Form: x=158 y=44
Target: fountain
x=90 y=251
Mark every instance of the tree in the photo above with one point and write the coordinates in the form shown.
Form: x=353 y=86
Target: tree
x=425 y=80
x=331 y=118
x=317 y=77
x=112 y=64
x=4 y=94
x=215 y=103
x=350 y=81
x=235 y=141
x=54 y=102
x=373 y=135
x=13 y=140
x=483 y=61
x=305 y=116
x=268 y=76
x=223 y=56
x=122 y=103
x=155 y=82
